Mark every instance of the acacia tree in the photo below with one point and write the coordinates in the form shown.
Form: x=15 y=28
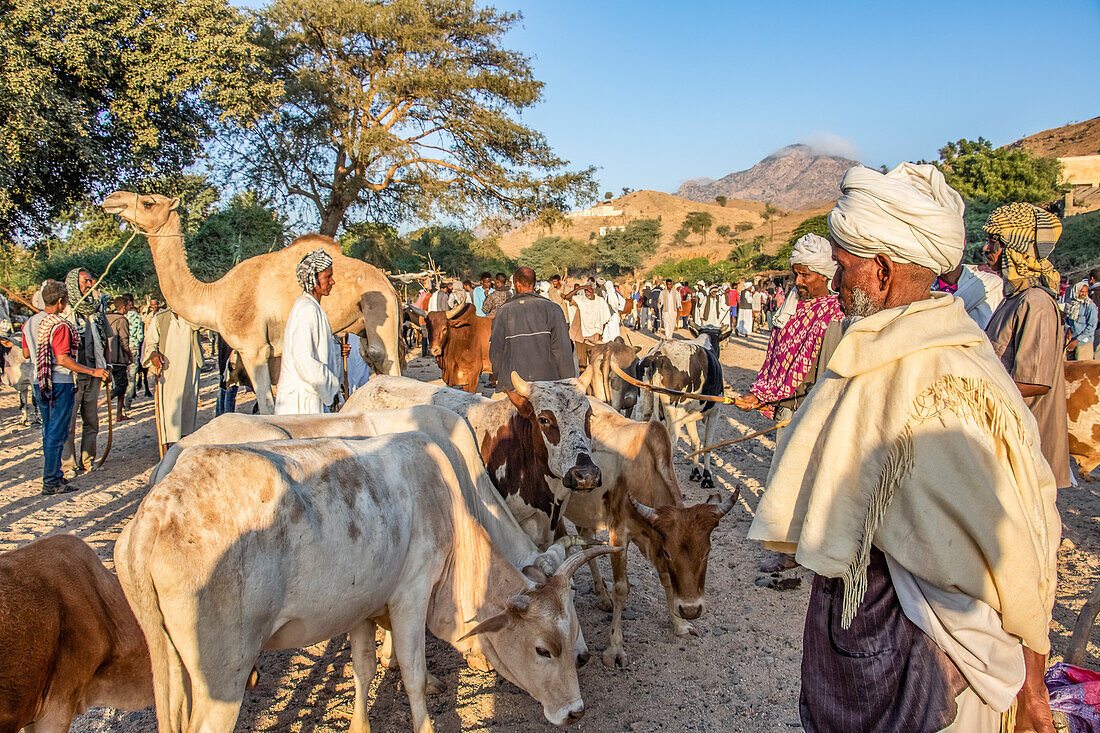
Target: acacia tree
x=92 y=94
x=979 y=171
x=699 y=222
x=399 y=108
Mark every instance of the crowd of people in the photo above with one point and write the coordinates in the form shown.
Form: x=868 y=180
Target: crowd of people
x=932 y=598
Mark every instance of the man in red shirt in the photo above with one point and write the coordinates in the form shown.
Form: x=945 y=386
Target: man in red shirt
x=49 y=340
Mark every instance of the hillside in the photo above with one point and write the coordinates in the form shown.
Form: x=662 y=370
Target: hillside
x=793 y=177
x=638 y=205
x=1080 y=138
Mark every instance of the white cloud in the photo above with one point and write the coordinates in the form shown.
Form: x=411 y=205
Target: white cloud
x=830 y=143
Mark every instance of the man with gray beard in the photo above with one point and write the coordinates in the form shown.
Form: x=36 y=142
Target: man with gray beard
x=912 y=483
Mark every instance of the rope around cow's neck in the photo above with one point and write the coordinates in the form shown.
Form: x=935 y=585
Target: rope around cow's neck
x=672 y=392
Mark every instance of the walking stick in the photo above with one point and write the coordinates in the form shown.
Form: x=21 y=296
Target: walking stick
x=110 y=426
x=723 y=444
x=347 y=388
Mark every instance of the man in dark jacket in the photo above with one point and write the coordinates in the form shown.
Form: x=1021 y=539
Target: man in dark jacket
x=530 y=337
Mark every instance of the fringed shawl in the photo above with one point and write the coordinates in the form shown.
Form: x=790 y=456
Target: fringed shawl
x=918 y=442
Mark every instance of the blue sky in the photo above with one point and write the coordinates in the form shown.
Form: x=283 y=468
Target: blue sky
x=654 y=93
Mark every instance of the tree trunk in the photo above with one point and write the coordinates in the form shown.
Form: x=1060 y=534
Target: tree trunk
x=332 y=218
x=1079 y=642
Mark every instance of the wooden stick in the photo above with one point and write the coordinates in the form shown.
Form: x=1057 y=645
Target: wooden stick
x=18 y=297
x=743 y=438
x=1083 y=628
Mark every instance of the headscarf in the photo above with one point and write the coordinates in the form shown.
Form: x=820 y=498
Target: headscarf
x=909 y=214
x=815 y=253
x=85 y=306
x=312 y=265
x=1029 y=235
x=1075 y=301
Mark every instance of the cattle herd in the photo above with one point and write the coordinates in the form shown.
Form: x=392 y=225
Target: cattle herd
x=415 y=508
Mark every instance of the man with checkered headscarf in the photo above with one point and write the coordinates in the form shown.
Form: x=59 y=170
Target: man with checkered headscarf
x=312 y=366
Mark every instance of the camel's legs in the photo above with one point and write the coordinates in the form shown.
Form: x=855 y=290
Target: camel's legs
x=381 y=333
x=260 y=375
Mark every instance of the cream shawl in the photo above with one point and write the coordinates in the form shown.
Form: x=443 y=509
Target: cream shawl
x=917 y=437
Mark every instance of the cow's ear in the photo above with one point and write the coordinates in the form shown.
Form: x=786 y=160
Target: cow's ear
x=522 y=403
x=637 y=350
x=494 y=623
x=535 y=574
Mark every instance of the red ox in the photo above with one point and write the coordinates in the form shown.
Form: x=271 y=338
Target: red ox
x=1083 y=411
x=68 y=636
x=459 y=340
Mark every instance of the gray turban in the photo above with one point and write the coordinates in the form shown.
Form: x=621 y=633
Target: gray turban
x=312 y=265
x=909 y=214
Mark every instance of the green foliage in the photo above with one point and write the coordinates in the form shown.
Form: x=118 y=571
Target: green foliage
x=246 y=227
x=699 y=222
x=743 y=227
x=399 y=108
x=94 y=94
x=1079 y=245
x=607 y=195
x=693 y=269
x=681 y=235
x=625 y=249
x=818 y=225
x=723 y=230
x=557 y=255
x=979 y=171
x=721 y=200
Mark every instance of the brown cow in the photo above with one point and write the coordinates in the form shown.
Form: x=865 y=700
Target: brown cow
x=1083 y=411
x=604 y=384
x=68 y=636
x=459 y=340
x=640 y=502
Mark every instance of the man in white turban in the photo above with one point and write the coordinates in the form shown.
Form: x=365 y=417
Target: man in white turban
x=312 y=365
x=911 y=482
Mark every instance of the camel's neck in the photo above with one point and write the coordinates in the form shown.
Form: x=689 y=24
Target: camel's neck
x=190 y=298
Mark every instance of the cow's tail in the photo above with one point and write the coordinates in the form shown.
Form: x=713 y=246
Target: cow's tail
x=171 y=682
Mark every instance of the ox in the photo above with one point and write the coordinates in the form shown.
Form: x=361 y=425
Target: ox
x=459 y=340
x=446 y=429
x=1083 y=411
x=604 y=384
x=18 y=373
x=535 y=444
x=331 y=536
x=685 y=366
x=640 y=502
x=69 y=638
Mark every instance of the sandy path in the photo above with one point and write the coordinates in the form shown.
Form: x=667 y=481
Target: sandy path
x=741 y=672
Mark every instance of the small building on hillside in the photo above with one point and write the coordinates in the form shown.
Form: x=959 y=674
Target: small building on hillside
x=1082 y=174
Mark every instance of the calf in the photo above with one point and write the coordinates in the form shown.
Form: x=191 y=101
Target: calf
x=640 y=502
x=68 y=636
x=18 y=373
x=685 y=366
x=1083 y=411
x=604 y=384
x=459 y=340
x=331 y=536
x=535 y=444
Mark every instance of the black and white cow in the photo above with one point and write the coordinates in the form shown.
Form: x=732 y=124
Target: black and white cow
x=684 y=366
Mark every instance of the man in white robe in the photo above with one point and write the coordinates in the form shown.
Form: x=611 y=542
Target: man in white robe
x=615 y=304
x=934 y=535
x=173 y=355
x=312 y=367
x=669 y=302
x=980 y=291
x=711 y=308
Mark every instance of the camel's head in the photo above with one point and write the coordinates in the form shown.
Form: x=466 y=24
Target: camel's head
x=147 y=213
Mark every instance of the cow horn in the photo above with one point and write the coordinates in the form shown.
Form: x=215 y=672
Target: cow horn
x=584 y=381
x=724 y=506
x=646 y=512
x=453 y=312
x=567 y=568
x=521 y=386
x=417 y=311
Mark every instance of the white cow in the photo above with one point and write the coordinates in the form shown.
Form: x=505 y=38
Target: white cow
x=330 y=536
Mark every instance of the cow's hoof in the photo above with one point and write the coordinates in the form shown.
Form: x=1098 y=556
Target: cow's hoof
x=695 y=476
x=433 y=686
x=612 y=658
x=685 y=630
x=478 y=662
x=253 y=679
x=707 y=482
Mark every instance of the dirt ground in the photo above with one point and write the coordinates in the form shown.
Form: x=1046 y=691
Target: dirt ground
x=741 y=673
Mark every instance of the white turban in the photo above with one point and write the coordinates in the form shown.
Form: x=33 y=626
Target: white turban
x=909 y=214
x=816 y=253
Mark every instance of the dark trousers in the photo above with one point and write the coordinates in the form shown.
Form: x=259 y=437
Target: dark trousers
x=56 y=418
x=227 y=400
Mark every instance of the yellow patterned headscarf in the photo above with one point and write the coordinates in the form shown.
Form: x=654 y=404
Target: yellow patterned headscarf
x=1028 y=234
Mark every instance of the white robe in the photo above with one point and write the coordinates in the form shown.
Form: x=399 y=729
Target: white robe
x=177 y=392
x=311 y=370
x=593 y=315
x=981 y=292
x=616 y=303
x=719 y=312
x=670 y=311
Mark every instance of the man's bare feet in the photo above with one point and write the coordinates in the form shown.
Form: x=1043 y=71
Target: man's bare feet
x=778 y=563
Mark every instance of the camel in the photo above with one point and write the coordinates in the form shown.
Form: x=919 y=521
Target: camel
x=249 y=306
